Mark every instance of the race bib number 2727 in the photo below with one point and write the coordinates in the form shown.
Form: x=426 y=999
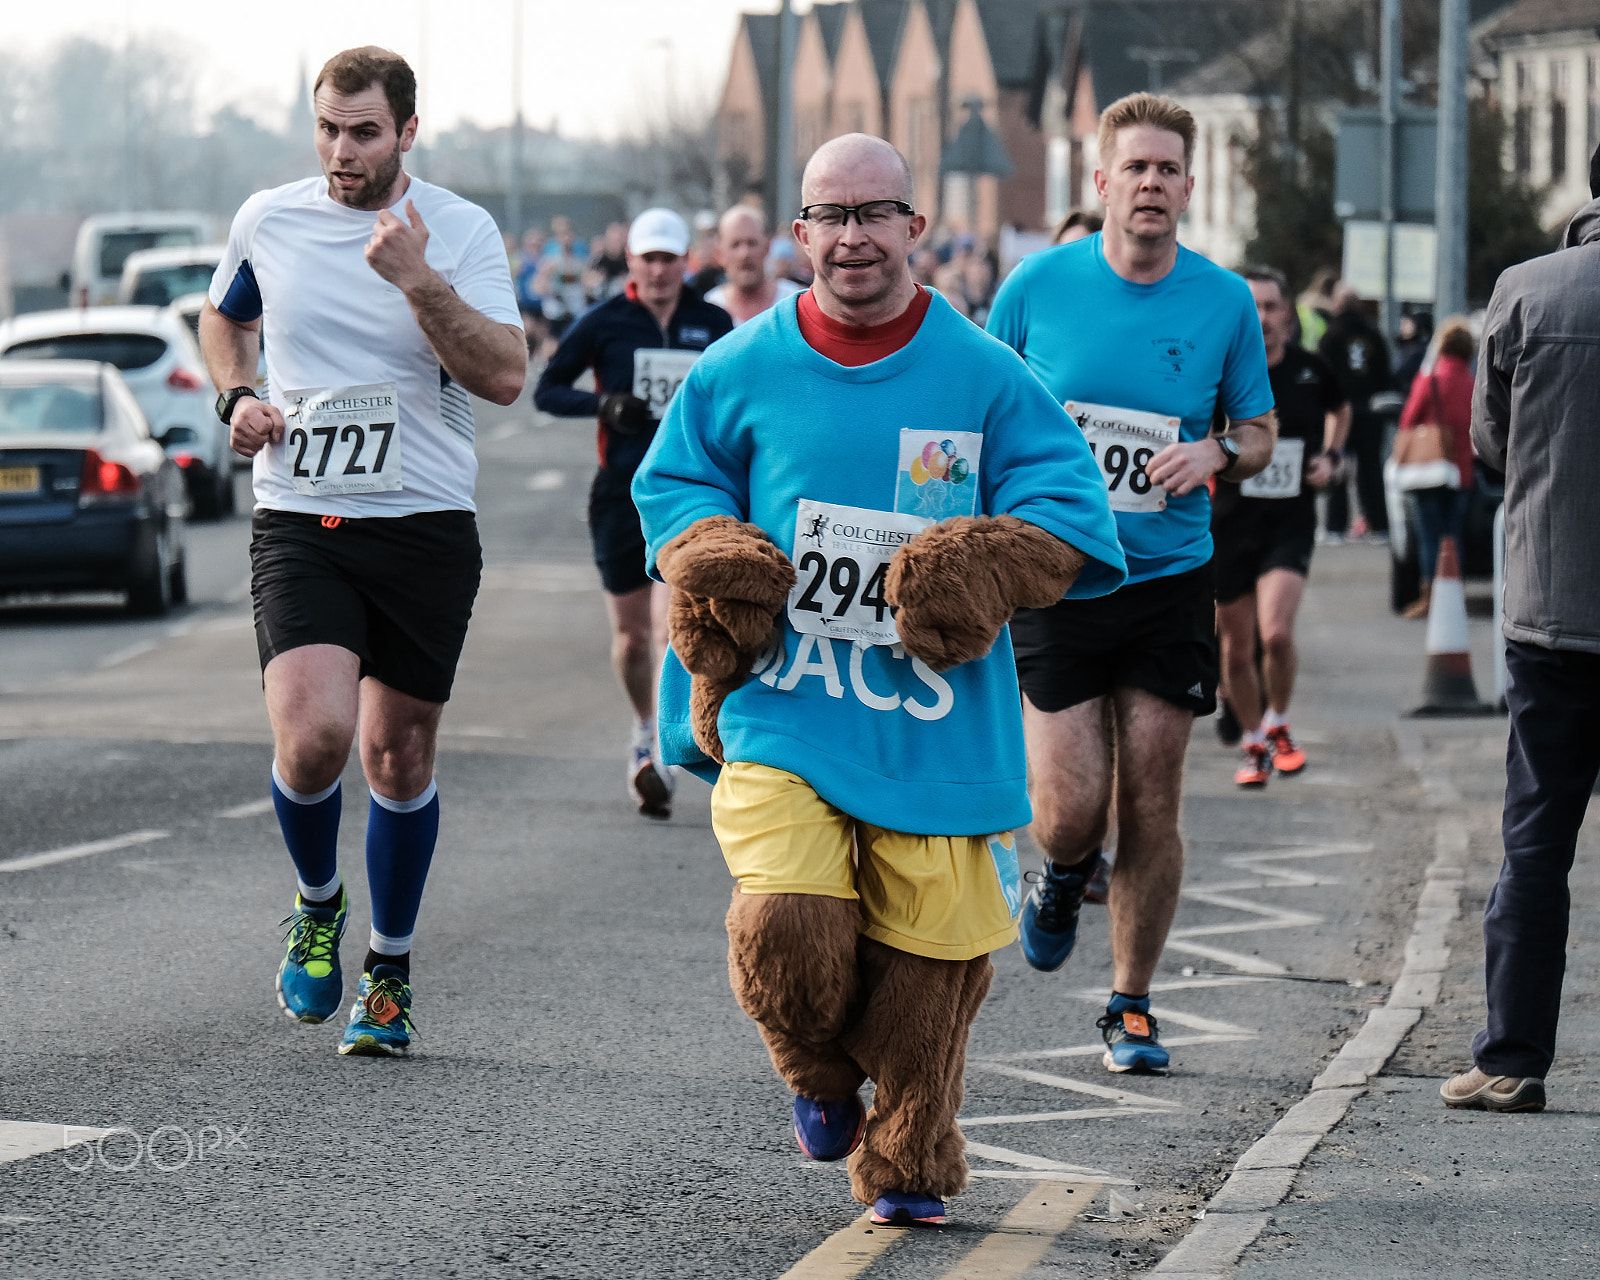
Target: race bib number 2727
x=343 y=439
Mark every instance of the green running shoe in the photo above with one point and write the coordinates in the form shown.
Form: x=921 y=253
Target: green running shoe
x=310 y=986
x=380 y=1020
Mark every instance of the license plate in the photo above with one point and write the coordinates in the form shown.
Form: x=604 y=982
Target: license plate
x=19 y=479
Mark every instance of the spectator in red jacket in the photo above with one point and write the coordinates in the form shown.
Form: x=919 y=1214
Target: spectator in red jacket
x=1442 y=397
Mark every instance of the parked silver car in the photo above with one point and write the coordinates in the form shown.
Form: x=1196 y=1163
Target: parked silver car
x=159 y=358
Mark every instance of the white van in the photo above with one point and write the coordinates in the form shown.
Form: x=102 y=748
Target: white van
x=158 y=277
x=106 y=240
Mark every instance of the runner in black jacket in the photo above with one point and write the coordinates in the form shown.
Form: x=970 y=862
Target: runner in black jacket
x=640 y=345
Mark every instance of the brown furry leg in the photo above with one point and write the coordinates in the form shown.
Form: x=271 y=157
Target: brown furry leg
x=912 y=1039
x=792 y=966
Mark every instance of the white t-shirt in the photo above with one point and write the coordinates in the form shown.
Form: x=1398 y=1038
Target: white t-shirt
x=295 y=259
x=783 y=288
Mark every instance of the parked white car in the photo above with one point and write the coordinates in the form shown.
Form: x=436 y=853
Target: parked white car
x=157 y=277
x=160 y=362
x=106 y=240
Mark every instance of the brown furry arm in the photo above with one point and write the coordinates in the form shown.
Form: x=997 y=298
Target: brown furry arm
x=728 y=583
x=958 y=582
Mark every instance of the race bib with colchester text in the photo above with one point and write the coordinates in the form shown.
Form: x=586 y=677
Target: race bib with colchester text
x=1281 y=479
x=343 y=439
x=1123 y=442
x=841 y=559
x=657 y=375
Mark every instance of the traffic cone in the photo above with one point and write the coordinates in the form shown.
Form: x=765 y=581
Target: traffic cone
x=1447 y=687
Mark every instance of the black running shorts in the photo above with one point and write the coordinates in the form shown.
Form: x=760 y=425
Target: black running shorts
x=396 y=592
x=1249 y=544
x=615 y=533
x=1159 y=635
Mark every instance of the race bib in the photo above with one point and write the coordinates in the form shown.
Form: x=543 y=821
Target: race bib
x=1123 y=441
x=1281 y=479
x=841 y=557
x=657 y=375
x=343 y=439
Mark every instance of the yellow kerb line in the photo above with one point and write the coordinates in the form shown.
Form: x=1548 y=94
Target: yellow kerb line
x=847 y=1252
x=1026 y=1234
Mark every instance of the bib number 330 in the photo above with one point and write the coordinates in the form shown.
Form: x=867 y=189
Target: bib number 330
x=344 y=439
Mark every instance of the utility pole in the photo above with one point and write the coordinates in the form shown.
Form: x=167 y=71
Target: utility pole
x=1389 y=153
x=514 y=183
x=1450 y=174
x=785 y=189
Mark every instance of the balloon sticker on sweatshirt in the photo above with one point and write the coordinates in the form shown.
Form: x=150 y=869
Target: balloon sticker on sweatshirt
x=1003 y=849
x=938 y=476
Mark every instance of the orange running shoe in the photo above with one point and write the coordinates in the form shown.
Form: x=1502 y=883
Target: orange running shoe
x=1257 y=766
x=1286 y=754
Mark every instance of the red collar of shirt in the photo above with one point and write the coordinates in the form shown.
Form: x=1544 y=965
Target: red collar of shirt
x=855 y=345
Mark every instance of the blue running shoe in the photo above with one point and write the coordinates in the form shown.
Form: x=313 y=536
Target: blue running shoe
x=1050 y=916
x=1132 y=1039
x=829 y=1130
x=908 y=1209
x=310 y=985
x=380 y=1020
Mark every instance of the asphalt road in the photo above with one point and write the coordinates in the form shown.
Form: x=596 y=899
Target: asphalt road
x=587 y=1099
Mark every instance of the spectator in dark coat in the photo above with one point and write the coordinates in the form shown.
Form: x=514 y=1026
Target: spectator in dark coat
x=1360 y=356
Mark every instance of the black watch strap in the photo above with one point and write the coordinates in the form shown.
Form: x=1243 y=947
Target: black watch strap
x=230 y=398
x=1230 y=451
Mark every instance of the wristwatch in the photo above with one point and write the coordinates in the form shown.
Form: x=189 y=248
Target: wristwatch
x=231 y=397
x=1230 y=454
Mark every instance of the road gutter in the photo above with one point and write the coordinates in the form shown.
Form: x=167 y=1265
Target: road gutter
x=1264 y=1175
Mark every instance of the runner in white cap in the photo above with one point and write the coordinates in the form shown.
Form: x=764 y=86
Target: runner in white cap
x=640 y=345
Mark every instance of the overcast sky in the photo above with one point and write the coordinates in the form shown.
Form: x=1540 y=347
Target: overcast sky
x=591 y=64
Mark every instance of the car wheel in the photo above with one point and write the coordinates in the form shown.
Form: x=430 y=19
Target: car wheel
x=150 y=589
x=207 y=499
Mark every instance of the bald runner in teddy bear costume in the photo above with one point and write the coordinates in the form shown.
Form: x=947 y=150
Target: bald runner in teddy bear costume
x=850 y=495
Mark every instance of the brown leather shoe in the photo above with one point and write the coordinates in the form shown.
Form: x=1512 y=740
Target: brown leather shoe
x=1475 y=1091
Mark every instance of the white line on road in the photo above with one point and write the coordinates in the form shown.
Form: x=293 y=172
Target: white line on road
x=1098 y=1048
x=28 y=861
x=20 y=1139
x=545 y=481
x=1082 y=1113
x=1038 y=1164
x=1074 y=1086
x=250 y=809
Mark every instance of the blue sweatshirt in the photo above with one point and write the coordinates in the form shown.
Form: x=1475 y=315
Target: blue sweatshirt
x=839 y=466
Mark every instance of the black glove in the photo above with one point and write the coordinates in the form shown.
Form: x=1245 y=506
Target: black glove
x=625 y=413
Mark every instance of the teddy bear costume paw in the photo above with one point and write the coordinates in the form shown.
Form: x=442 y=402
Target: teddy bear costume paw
x=958 y=582
x=728 y=583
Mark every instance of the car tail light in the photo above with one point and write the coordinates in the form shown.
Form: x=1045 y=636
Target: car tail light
x=103 y=479
x=183 y=459
x=181 y=379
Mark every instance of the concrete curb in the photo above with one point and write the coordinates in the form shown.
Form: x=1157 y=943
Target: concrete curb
x=1265 y=1174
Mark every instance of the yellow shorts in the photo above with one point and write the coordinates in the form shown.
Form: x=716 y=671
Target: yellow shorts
x=946 y=897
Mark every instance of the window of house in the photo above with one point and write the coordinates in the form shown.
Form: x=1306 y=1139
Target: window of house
x=1522 y=121
x=1560 y=91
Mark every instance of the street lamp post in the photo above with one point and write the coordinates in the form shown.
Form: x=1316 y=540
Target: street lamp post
x=514 y=176
x=1450 y=174
x=1388 y=153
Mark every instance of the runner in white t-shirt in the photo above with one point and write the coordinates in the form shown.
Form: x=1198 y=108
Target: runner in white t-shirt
x=742 y=247
x=385 y=303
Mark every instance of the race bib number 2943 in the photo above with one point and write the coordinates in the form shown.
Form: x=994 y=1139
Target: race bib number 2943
x=344 y=439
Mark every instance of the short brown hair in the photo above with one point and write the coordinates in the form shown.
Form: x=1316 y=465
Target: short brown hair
x=1088 y=219
x=1146 y=108
x=1455 y=339
x=1268 y=275
x=356 y=69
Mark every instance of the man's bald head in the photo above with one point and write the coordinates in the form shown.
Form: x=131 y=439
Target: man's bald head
x=853 y=163
x=741 y=218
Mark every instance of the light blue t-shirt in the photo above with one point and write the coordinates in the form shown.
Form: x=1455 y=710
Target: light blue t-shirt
x=836 y=464
x=1180 y=348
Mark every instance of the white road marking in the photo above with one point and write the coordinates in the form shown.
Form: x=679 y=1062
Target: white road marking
x=847 y=1252
x=1082 y=1113
x=1074 y=1086
x=1038 y=1164
x=1026 y=1233
x=544 y=481
x=20 y=1139
x=503 y=432
x=28 y=861
x=1098 y=1048
x=251 y=809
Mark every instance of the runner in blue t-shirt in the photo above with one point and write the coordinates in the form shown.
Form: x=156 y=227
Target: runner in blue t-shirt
x=1141 y=340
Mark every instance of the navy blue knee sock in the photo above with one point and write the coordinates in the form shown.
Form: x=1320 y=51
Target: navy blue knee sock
x=310 y=826
x=400 y=839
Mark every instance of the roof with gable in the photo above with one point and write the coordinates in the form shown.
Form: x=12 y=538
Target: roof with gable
x=830 y=19
x=1544 y=17
x=762 y=31
x=1011 y=30
x=884 y=20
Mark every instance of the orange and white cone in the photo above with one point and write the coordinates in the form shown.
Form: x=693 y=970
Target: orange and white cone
x=1447 y=687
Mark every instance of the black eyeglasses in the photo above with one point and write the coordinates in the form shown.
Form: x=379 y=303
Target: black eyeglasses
x=874 y=213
